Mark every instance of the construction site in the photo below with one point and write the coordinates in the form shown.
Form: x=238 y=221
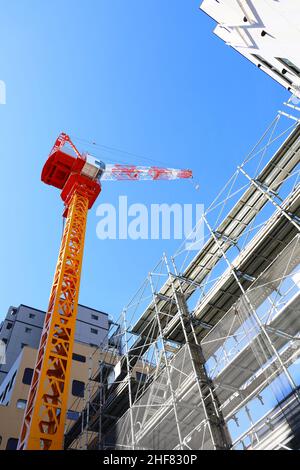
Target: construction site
x=211 y=344
x=206 y=354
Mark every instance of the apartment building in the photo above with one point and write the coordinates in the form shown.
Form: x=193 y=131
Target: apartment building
x=265 y=32
x=20 y=332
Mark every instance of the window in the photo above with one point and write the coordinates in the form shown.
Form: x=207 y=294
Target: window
x=95 y=317
x=78 y=357
x=4 y=340
x=290 y=65
x=9 y=326
x=27 y=376
x=12 y=444
x=21 y=404
x=28 y=330
x=73 y=415
x=31 y=315
x=94 y=331
x=13 y=311
x=78 y=388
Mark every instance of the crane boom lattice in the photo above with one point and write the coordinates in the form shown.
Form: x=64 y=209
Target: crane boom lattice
x=44 y=420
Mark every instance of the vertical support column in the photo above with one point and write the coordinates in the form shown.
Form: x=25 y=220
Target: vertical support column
x=129 y=372
x=45 y=414
x=161 y=334
x=88 y=404
x=217 y=428
x=82 y=426
x=101 y=397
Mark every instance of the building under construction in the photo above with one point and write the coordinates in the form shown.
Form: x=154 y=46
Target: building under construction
x=210 y=343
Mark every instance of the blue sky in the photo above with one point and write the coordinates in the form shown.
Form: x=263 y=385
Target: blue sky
x=146 y=77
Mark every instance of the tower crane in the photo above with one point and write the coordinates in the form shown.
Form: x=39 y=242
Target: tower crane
x=78 y=176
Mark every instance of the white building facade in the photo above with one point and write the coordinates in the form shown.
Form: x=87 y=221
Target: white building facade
x=267 y=32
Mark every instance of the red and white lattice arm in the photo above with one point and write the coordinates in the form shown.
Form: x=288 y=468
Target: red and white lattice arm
x=135 y=173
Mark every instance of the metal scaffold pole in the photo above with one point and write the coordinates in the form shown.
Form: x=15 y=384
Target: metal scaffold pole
x=162 y=338
x=216 y=425
x=129 y=375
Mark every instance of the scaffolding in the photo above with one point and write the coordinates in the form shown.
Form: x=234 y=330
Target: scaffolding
x=208 y=349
